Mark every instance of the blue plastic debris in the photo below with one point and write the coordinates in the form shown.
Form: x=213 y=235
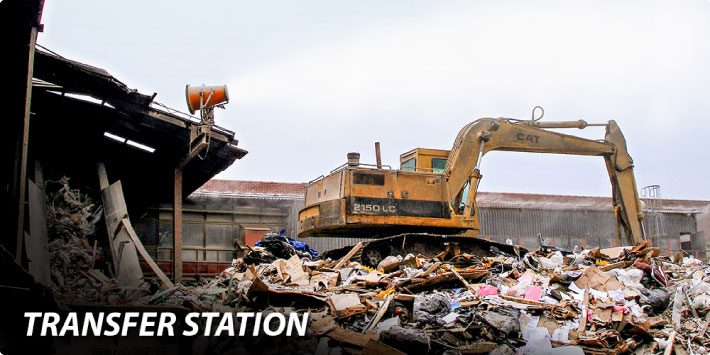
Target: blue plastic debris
x=301 y=246
x=273 y=242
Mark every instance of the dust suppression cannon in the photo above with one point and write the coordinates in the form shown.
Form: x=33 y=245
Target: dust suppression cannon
x=204 y=99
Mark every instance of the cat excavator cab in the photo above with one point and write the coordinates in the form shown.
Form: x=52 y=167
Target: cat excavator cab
x=434 y=191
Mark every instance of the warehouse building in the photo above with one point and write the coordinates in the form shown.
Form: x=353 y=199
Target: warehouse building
x=224 y=215
x=583 y=221
x=218 y=219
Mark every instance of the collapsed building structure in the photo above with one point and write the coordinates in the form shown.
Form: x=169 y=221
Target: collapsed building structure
x=142 y=144
x=93 y=149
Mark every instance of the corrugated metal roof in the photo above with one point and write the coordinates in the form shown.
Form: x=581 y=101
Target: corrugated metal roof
x=564 y=202
x=285 y=190
x=246 y=195
x=254 y=187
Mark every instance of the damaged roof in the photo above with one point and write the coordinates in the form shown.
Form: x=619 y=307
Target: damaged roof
x=252 y=189
x=83 y=113
x=565 y=202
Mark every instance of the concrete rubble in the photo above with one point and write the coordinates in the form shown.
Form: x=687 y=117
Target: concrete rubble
x=547 y=301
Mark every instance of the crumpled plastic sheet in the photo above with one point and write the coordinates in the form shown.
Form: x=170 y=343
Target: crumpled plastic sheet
x=284 y=247
x=631 y=278
x=301 y=246
x=430 y=308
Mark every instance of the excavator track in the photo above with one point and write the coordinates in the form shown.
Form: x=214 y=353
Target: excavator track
x=374 y=251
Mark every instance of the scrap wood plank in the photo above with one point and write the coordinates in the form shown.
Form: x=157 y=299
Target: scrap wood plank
x=431 y=269
x=405 y=297
x=614 y=252
x=159 y=296
x=671 y=341
x=412 y=262
x=446 y=330
x=126 y=266
x=583 y=317
x=484 y=347
x=346 y=305
x=469 y=303
x=445 y=277
x=164 y=280
x=93 y=253
x=620 y=264
x=323 y=325
x=347 y=336
x=525 y=301
x=259 y=286
x=347 y=256
x=375 y=347
x=36 y=242
x=380 y=312
x=465 y=283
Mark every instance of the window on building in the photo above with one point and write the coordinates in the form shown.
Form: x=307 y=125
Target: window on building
x=685 y=242
x=409 y=165
x=438 y=165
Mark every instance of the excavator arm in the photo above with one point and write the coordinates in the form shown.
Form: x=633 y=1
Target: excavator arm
x=487 y=134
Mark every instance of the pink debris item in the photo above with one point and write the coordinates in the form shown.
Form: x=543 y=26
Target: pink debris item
x=533 y=293
x=487 y=290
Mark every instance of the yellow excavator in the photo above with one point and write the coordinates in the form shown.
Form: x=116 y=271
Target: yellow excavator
x=434 y=192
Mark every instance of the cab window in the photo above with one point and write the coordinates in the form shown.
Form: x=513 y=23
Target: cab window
x=438 y=165
x=409 y=164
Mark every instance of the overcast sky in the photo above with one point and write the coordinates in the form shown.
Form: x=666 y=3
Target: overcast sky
x=310 y=81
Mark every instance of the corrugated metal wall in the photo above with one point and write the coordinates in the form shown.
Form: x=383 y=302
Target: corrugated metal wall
x=567 y=228
x=325 y=244
x=212 y=223
x=562 y=228
x=211 y=226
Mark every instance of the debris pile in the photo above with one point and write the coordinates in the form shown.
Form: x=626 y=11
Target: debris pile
x=599 y=301
x=71 y=220
x=78 y=268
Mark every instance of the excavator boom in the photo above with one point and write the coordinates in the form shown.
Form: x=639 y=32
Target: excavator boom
x=488 y=134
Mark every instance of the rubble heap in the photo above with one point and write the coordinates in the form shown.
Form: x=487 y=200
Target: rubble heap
x=78 y=265
x=71 y=219
x=599 y=301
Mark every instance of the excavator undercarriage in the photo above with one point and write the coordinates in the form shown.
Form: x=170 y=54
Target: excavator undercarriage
x=445 y=247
